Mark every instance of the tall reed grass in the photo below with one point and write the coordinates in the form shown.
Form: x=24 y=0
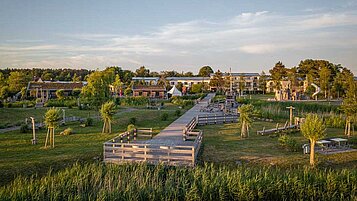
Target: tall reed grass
x=98 y=181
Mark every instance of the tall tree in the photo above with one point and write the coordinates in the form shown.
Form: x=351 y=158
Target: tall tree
x=107 y=111
x=278 y=72
x=325 y=77
x=142 y=72
x=245 y=120
x=205 y=71
x=313 y=129
x=217 y=81
x=117 y=85
x=97 y=89
x=17 y=80
x=263 y=79
x=349 y=105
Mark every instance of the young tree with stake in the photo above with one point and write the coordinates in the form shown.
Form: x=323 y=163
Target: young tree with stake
x=313 y=129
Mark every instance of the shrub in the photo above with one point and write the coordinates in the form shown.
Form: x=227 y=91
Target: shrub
x=177 y=113
x=130 y=127
x=164 y=117
x=67 y=131
x=24 y=128
x=288 y=143
x=132 y=120
x=133 y=101
x=89 y=122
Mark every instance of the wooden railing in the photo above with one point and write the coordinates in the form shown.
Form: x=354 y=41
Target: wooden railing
x=119 y=152
x=216 y=119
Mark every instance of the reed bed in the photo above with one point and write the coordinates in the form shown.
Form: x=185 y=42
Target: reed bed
x=97 y=181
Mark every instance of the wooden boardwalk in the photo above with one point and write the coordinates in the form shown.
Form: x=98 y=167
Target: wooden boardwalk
x=167 y=147
x=172 y=135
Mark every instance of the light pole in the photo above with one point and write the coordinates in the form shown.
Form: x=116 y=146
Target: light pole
x=34 y=140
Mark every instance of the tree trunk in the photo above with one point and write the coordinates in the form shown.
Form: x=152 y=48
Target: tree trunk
x=242 y=134
x=312 y=152
x=349 y=128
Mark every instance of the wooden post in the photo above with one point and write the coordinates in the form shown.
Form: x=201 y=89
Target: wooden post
x=291 y=108
x=193 y=156
x=34 y=140
x=64 y=116
x=145 y=157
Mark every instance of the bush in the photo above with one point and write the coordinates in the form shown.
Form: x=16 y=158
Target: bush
x=132 y=101
x=24 y=128
x=61 y=103
x=177 y=113
x=89 y=122
x=130 y=127
x=288 y=143
x=164 y=117
x=132 y=120
x=67 y=131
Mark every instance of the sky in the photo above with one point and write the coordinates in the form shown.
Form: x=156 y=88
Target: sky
x=246 y=36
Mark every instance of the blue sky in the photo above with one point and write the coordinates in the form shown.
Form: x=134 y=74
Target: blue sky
x=247 y=36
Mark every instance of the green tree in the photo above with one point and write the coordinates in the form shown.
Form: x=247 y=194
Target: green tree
x=217 y=81
x=4 y=92
x=278 y=72
x=97 y=89
x=107 y=111
x=205 y=71
x=142 y=72
x=117 y=85
x=17 y=80
x=128 y=91
x=52 y=118
x=325 y=77
x=76 y=78
x=197 y=88
x=241 y=84
x=60 y=94
x=313 y=129
x=349 y=105
x=263 y=79
x=245 y=120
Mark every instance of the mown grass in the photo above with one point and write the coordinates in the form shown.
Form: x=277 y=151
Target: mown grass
x=223 y=144
x=19 y=157
x=98 y=181
x=17 y=116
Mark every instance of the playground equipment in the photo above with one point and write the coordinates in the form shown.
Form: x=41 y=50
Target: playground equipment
x=318 y=90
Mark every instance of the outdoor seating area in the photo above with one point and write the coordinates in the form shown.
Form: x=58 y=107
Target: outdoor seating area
x=329 y=146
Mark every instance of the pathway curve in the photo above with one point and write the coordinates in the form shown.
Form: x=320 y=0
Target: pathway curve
x=172 y=135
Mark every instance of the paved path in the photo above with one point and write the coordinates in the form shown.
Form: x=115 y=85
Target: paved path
x=172 y=135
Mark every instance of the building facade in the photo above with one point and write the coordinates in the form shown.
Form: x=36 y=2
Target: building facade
x=46 y=90
x=249 y=82
x=151 y=91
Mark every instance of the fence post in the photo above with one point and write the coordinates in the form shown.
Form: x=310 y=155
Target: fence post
x=193 y=155
x=145 y=153
x=122 y=151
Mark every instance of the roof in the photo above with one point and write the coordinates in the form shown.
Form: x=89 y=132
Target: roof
x=188 y=78
x=175 y=92
x=149 y=88
x=145 y=78
x=239 y=74
x=48 y=85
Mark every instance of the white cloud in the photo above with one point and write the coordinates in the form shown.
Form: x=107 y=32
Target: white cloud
x=246 y=36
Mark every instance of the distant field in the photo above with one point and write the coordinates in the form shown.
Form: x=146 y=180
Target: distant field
x=18 y=156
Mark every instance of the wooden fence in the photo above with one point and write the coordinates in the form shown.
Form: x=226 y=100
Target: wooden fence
x=216 y=119
x=119 y=152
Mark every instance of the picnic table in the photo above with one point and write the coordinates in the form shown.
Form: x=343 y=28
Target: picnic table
x=325 y=144
x=339 y=141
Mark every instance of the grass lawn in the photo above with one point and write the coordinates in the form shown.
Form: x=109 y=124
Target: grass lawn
x=222 y=144
x=17 y=116
x=19 y=157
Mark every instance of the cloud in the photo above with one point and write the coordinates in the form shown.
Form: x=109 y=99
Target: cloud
x=246 y=36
